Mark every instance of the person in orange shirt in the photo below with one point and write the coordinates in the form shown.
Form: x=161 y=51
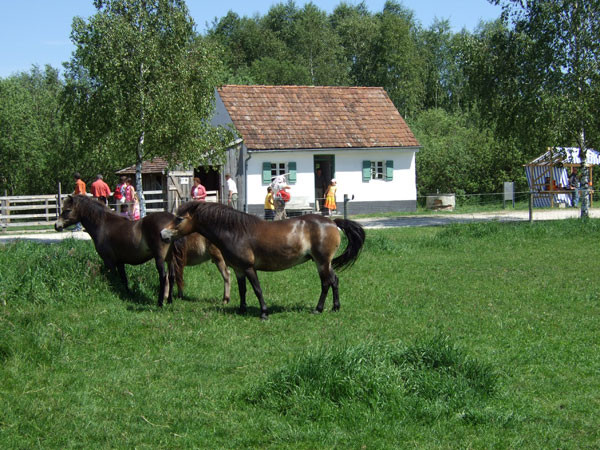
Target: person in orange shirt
x=79 y=185
x=100 y=190
x=79 y=190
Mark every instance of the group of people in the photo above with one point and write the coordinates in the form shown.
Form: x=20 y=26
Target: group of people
x=126 y=199
x=198 y=192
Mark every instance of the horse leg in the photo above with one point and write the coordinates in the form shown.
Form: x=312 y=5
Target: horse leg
x=123 y=275
x=178 y=279
x=241 y=280
x=226 y=280
x=163 y=281
x=171 y=272
x=253 y=277
x=328 y=278
x=335 y=289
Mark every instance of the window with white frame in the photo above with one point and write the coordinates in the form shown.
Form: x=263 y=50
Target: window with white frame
x=271 y=170
x=377 y=170
x=278 y=169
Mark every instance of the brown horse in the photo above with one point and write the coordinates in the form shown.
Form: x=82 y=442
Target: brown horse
x=120 y=241
x=249 y=243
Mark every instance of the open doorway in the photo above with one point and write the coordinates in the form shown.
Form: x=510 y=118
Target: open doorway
x=324 y=166
x=209 y=177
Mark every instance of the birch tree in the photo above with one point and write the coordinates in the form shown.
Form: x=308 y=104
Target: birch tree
x=140 y=85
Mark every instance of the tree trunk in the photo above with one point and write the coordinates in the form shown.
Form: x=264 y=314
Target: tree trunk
x=585 y=178
x=138 y=175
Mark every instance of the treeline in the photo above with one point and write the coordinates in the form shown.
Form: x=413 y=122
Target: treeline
x=477 y=101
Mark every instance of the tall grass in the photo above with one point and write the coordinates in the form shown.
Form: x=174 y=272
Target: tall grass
x=479 y=335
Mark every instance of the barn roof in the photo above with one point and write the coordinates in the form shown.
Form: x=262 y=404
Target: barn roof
x=156 y=165
x=315 y=117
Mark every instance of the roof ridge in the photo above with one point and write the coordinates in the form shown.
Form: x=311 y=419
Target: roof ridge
x=290 y=86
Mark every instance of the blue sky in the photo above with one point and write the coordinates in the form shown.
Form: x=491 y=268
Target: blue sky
x=37 y=31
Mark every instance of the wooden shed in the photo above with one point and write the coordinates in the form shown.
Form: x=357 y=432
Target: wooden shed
x=164 y=189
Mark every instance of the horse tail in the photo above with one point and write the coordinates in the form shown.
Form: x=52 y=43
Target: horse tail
x=356 y=238
x=178 y=261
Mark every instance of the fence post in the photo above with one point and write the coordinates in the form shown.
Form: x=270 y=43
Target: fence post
x=530 y=206
x=346 y=200
x=4 y=210
x=58 y=202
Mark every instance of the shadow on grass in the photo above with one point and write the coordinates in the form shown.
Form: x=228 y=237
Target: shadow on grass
x=133 y=295
x=233 y=308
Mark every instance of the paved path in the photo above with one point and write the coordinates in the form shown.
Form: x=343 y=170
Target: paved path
x=428 y=220
x=446 y=218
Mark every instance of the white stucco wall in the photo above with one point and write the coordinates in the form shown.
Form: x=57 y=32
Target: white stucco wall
x=348 y=172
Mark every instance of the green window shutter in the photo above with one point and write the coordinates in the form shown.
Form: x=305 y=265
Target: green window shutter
x=292 y=172
x=366 y=171
x=389 y=170
x=266 y=173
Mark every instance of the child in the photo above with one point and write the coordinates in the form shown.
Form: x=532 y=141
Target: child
x=330 y=197
x=269 y=205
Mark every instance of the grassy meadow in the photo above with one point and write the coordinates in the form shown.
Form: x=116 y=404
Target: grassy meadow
x=467 y=336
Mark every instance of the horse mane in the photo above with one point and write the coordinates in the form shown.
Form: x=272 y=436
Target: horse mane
x=91 y=208
x=217 y=215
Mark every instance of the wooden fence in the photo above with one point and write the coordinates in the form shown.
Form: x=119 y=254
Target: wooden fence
x=36 y=210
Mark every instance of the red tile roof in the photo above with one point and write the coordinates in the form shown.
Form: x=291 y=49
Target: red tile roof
x=156 y=165
x=313 y=117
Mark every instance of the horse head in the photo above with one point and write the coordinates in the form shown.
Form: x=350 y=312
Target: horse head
x=182 y=225
x=69 y=215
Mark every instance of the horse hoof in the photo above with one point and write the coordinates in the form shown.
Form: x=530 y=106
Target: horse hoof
x=242 y=311
x=264 y=316
x=316 y=311
x=225 y=301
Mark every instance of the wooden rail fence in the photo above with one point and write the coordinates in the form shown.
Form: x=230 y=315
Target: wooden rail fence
x=36 y=210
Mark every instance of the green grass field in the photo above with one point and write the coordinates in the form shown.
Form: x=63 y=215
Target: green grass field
x=468 y=336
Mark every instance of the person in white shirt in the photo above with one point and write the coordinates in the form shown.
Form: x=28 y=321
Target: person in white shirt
x=232 y=196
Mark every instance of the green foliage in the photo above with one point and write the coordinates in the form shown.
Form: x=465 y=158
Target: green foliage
x=460 y=157
x=448 y=337
x=34 y=142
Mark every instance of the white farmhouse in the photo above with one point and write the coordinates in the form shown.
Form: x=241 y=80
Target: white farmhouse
x=353 y=134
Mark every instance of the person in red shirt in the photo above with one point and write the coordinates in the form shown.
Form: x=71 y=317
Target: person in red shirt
x=100 y=190
x=79 y=190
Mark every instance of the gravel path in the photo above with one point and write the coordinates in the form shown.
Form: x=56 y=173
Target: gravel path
x=381 y=222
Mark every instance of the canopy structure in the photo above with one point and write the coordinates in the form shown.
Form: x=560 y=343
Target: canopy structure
x=548 y=175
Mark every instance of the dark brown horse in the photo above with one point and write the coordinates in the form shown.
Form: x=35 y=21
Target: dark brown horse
x=120 y=241
x=249 y=243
